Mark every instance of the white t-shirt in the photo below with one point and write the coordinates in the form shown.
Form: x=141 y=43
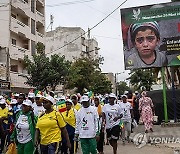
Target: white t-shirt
x=126 y=107
x=87 y=122
x=23 y=131
x=111 y=111
x=38 y=110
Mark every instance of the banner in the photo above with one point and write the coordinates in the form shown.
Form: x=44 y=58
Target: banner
x=151 y=35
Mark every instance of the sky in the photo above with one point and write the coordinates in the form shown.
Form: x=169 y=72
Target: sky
x=86 y=14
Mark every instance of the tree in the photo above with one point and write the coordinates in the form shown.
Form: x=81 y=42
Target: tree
x=40 y=47
x=142 y=78
x=86 y=74
x=122 y=86
x=101 y=84
x=44 y=71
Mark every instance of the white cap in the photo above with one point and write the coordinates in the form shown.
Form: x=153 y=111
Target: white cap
x=51 y=99
x=16 y=95
x=31 y=95
x=27 y=102
x=2 y=101
x=70 y=101
x=1 y=97
x=13 y=101
x=84 y=98
x=112 y=95
x=136 y=92
x=124 y=96
x=39 y=95
x=126 y=92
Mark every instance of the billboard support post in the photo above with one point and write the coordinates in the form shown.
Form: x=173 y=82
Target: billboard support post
x=173 y=95
x=164 y=94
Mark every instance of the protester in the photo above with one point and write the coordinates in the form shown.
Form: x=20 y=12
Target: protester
x=70 y=118
x=24 y=131
x=127 y=112
x=74 y=99
x=38 y=107
x=112 y=114
x=4 y=120
x=31 y=97
x=49 y=128
x=87 y=126
x=100 y=143
x=146 y=110
x=20 y=100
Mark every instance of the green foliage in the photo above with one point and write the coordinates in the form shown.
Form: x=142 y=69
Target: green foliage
x=142 y=78
x=45 y=72
x=86 y=74
x=122 y=86
x=40 y=47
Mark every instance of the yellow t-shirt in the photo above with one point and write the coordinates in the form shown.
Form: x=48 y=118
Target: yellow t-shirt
x=77 y=106
x=70 y=117
x=4 y=113
x=49 y=126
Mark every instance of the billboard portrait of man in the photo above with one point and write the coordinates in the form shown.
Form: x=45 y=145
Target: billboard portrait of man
x=148 y=37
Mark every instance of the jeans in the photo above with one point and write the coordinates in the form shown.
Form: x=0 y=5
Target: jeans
x=52 y=148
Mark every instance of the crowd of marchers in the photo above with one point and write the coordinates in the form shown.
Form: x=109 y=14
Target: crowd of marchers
x=47 y=124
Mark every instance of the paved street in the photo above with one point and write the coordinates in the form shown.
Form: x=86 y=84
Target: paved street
x=159 y=131
x=131 y=149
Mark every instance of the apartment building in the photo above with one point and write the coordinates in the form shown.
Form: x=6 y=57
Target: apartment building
x=71 y=42
x=22 y=27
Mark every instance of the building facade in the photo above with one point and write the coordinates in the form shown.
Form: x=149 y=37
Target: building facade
x=22 y=27
x=70 y=42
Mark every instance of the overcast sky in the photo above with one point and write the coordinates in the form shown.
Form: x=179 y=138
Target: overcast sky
x=108 y=33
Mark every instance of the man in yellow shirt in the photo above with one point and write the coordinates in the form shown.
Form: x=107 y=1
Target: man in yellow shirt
x=49 y=128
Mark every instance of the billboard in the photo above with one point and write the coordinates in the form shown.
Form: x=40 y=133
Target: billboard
x=151 y=35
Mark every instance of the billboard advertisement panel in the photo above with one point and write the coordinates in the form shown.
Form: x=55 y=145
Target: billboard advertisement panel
x=151 y=35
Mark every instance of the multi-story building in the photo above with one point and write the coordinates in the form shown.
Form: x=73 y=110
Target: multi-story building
x=22 y=27
x=71 y=42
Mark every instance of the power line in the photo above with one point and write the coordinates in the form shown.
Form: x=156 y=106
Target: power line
x=89 y=28
x=99 y=11
x=108 y=37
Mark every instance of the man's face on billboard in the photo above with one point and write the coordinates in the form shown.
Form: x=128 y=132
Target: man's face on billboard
x=146 y=42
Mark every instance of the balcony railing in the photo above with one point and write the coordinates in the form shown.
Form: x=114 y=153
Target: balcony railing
x=40 y=34
x=39 y=13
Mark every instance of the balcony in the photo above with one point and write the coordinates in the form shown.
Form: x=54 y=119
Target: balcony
x=41 y=1
x=17 y=52
x=20 y=28
x=40 y=37
x=40 y=17
x=21 y=6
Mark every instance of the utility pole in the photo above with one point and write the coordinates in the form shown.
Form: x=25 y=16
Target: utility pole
x=116 y=75
x=51 y=21
x=88 y=50
x=7 y=65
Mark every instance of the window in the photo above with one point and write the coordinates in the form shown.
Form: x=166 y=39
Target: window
x=33 y=26
x=13 y=41
x=14 y=68
x=32 y=6
x=33 y=47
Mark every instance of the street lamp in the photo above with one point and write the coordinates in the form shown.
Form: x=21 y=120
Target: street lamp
x=116 y=75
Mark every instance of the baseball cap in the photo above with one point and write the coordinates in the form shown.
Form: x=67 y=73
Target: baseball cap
x=2 y=101
x=51 y=99
x=31 y=95
x=13 y=101
x=69 y=100
x=1 y=97
x=27 y=102
x=16 y=95
x=112 y=95
x=39 y=95
x=84 y=98
x=124 y=96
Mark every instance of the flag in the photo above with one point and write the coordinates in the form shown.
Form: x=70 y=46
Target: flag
x=61 y=106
